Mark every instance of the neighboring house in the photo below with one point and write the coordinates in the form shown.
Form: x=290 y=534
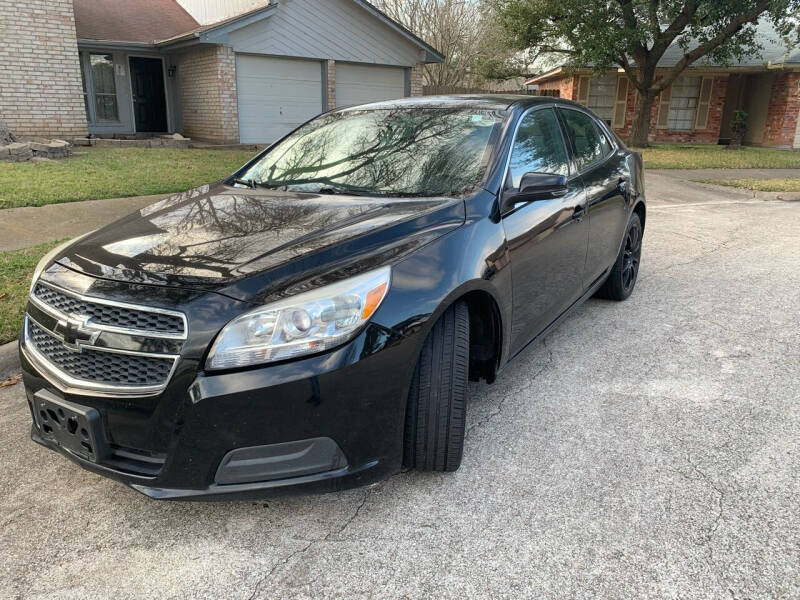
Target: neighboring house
x=699 y=106
x=226 y=72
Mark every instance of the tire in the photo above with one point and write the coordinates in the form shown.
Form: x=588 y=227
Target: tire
x=435 y=417
x=622 y=279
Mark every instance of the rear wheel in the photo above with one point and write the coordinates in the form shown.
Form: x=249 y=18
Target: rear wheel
x=435 y=417
x=622 y=279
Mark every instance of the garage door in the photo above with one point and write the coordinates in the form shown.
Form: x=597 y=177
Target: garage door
x=359 y=84
x=276 y=95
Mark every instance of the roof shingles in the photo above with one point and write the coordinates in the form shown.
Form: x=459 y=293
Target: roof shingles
x=142 y=21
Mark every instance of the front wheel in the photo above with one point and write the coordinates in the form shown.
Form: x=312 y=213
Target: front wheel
x=435 y=417
x=622 y=279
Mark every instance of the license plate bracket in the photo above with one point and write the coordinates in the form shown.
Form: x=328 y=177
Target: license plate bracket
x=71 y=426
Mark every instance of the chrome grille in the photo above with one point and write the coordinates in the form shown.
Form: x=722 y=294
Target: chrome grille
x=110 y=314
x=88 y=345
x=108 y=368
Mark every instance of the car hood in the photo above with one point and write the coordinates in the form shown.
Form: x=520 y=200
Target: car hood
x=238 y=241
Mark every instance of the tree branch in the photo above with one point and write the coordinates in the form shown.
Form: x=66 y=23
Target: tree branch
x=655 y=24
x=728 y=32
x=630 y=72
x=675 y=28
x=628 y=16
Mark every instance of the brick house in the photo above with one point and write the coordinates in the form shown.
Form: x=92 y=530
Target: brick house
x=226 y=72
x=699 y=106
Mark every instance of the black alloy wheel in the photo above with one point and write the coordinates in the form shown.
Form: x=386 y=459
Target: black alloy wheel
x=631 y=256
x=622 y=278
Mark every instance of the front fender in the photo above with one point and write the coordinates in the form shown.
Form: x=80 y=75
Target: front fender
x=468 y=259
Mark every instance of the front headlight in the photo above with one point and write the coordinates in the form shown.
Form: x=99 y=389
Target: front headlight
x=303 y=324
x=50 y=256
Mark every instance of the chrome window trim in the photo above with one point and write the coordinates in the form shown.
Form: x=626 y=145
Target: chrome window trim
x=75 y=385
x=99 y=326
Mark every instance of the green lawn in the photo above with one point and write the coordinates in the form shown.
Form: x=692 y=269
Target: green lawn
x=16 y=268
x=761 y=185
x=705 y=156
x=114 y=173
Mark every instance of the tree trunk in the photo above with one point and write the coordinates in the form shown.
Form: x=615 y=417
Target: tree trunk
x=641 y=121
x=6 y=137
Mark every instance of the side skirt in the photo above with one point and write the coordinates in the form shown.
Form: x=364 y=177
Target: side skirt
x=588 y=294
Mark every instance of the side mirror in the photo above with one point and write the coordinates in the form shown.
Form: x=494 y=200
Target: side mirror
x=535 y=186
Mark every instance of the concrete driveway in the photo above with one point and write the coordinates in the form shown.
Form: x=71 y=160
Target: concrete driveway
x=646 y=449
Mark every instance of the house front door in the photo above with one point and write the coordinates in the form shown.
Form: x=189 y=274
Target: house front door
x=149 y=100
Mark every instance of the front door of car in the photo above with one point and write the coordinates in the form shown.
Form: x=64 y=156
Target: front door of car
x=605 y=174
x=547 y=237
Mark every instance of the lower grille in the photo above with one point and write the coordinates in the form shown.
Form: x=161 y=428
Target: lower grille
x=135 y=462
x=108 y=368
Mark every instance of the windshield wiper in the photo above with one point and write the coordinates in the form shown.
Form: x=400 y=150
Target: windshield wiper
x=253 y=184
x=248 y=182
x=344 y=192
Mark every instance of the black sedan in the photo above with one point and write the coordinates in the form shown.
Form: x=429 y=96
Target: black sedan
x=311 y=322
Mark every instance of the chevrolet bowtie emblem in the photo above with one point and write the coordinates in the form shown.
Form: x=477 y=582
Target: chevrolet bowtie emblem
x=75 y=334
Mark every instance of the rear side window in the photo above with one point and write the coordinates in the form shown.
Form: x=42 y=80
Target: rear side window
x=538 y=147
x=589 y=147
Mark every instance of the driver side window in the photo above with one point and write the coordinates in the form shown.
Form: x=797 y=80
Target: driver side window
x=538 y=148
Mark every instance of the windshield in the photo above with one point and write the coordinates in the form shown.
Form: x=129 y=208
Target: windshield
x=400 y=151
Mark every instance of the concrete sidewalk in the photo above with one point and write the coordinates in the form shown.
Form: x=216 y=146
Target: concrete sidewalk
x=703 y=174
x=31 y=225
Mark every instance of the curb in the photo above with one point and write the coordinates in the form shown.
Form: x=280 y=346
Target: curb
x=782 y=196
x=9 y=360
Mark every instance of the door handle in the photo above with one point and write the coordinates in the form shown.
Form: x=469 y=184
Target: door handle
x=623 y=185
x=578 y=213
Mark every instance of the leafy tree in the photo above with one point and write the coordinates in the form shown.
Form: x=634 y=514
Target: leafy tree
x=635 y=34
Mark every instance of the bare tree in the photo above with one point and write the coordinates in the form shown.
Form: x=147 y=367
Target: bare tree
x=457 y=28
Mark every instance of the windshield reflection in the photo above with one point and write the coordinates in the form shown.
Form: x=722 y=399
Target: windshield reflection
x=415 y=152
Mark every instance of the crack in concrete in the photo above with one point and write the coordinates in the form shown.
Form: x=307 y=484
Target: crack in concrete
x=279 y=564
x=714 y=526
x=352 y=518
x=721 y=245
x=684 y=235
x=698 y=258
x=755 y=336
x=328 y=537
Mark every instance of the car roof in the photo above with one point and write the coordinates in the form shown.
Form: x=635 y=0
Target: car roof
x=475 y=101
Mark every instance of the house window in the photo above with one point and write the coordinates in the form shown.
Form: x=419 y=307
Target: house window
x=602 y=91
x=683 y=103
x=104 y=87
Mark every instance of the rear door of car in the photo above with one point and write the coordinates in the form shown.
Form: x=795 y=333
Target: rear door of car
x=603 y=169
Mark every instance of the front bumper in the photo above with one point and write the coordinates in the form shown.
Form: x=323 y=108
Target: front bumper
x=173 y=445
